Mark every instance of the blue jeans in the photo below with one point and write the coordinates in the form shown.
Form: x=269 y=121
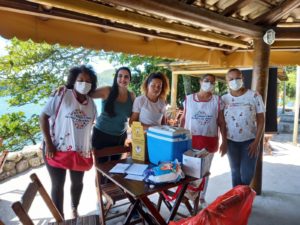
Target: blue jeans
x=241 y=164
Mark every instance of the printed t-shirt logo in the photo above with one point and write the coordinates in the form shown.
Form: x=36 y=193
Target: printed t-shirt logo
x=79 y=118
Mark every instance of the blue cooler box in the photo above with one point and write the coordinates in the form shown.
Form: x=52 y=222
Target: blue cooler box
x=166 y=143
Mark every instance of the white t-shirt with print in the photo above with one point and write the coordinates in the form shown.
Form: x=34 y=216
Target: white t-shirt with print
x=151 y=113
x=72 y=121
x=240 y=115
x=202 y=116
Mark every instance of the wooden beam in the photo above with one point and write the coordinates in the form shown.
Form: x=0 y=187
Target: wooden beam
x=284 y=34
x=288 y=25
x=69 y=33
x=204 y=71
x=174 y=90
x=260 y=78
x=190 y=2
x=286 y=44
x=266 y=3
x=104 y=25
x=104 y=12
x=274 y=15
x=236 y=6
x=296 y=108
x=192 y=15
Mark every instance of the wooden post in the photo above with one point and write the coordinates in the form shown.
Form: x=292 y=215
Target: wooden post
x=297 y=105
x=174 y=91
x=260 y=77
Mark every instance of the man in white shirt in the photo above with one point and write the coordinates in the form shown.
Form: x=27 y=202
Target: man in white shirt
x=244 y=113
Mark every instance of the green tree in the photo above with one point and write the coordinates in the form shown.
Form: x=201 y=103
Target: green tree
x=30 y=71
x=28 y=74
x=18 y=131
x=291 y=83
x=141 y=67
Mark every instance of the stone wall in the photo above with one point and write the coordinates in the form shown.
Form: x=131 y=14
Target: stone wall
x=17 y=162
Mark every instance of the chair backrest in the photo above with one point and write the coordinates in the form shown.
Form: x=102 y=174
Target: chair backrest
x=22 y=207
x=109 y=151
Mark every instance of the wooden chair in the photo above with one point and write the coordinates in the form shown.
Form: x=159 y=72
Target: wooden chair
x=22 y=207
x=110 y=191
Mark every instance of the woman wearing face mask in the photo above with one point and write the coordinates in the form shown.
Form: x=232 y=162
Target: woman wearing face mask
x=150 y=107
x=66 y=123
x=244 y=116
x=203 y=116
x=111 y=126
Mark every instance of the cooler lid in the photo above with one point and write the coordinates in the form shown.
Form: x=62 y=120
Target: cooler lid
x=168 y=130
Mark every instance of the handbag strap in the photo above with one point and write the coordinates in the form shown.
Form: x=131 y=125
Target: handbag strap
x=58 y=107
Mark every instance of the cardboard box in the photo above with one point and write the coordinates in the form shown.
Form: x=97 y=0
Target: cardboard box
x=196 y=166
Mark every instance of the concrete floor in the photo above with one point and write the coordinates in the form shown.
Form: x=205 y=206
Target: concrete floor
x=279 y=203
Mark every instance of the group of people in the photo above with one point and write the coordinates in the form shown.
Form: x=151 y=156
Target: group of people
x=69 y=116
x=68 y=119
x=238 y=115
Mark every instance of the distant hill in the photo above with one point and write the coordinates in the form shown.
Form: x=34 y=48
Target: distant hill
x=106 y=77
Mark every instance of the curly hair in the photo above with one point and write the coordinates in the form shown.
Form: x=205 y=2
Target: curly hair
x=109 y=107
x=165 y=84
x=75 y=71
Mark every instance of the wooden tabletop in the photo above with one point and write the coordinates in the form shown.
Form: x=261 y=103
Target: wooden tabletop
x=136 y=189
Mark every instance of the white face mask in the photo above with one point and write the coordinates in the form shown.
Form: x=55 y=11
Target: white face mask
x=236 y=84
x=82 y=87
x=207 y=86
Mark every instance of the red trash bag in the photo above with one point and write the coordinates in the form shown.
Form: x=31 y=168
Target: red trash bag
x=232 y=208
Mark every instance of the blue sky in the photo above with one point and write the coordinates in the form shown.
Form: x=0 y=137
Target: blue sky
x=99 y=65
x=3 y=42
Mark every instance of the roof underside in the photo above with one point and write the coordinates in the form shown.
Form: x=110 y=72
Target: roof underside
x=217 y=33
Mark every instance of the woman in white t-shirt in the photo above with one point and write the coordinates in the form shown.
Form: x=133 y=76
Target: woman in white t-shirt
x=150 y=108
x=66 y=123
x=203 y=116
x=244 y=116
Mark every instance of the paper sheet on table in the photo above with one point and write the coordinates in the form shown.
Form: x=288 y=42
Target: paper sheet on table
x=134 y=177
x=119 y=168
x=136 y=169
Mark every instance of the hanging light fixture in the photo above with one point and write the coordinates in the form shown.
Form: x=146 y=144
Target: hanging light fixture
x=269 y=37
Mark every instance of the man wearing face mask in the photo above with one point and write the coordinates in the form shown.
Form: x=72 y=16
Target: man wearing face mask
x=203 y=116
x=244 y=115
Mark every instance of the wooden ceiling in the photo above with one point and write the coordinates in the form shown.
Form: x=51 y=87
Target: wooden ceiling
x=226 y=26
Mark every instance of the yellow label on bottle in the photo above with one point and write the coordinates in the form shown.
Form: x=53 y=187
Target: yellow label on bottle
x=138 y=141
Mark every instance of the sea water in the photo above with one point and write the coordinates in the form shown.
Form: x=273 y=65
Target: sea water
x=30 y=109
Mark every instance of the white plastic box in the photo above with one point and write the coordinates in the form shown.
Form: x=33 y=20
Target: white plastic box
x=166 y=143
